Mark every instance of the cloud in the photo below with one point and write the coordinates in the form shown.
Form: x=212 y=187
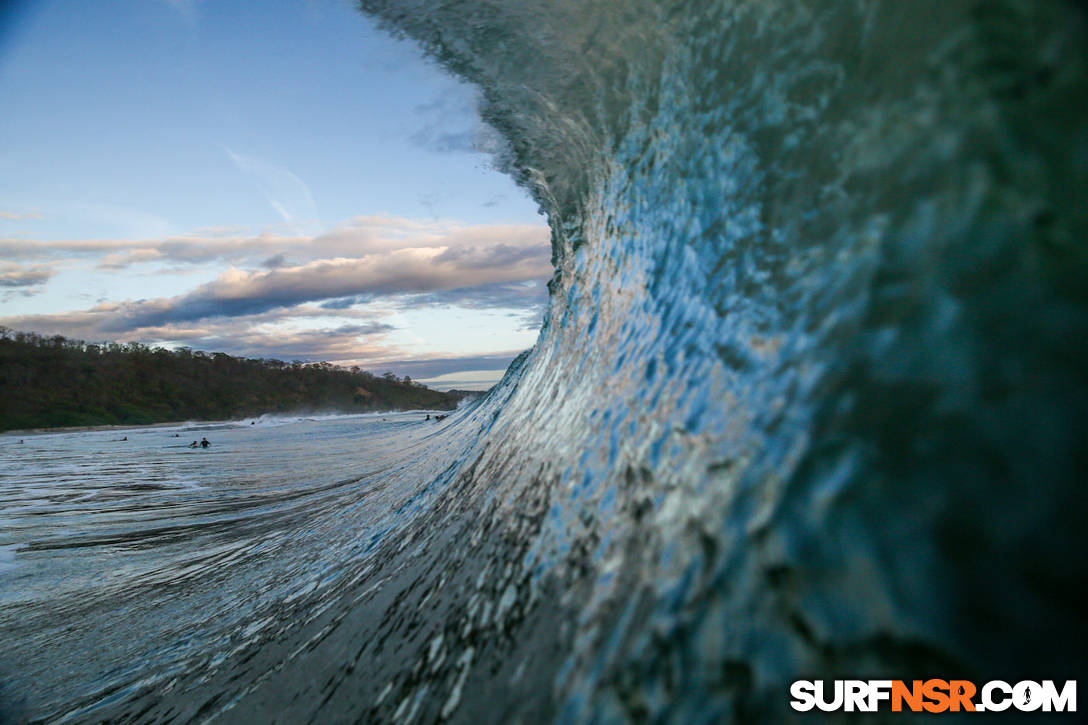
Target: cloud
x=14 y=215
x=465 y=379
x=434 y=367
x=400 y=272
x=311 y=345
x=432 y=262
x=323 y=297
x=357 y=237
x=361 y=341
x=497 y=275
x=526 y=300
x=275 y=261
x=265 y=334
x=530 y=294
x=287 y=193
x=14 y=275
x=120 y=260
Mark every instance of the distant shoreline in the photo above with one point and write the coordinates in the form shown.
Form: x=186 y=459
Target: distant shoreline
x=92 y=428
x=226 y=421
x=70 y=384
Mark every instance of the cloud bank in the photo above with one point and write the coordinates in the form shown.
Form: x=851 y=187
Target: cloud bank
x=321 y=297
x=22 y=275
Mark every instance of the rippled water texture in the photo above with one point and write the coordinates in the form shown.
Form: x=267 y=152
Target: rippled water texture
x=809 y=401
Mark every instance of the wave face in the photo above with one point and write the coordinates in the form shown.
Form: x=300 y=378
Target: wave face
x=810 y=396
x=808 y=401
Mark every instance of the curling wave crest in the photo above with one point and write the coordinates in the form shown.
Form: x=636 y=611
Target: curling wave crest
x=808 y=400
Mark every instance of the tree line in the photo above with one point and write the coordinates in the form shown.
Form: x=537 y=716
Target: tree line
x=48 y=382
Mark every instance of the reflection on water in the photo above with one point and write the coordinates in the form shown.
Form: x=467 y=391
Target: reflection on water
x=127 y=562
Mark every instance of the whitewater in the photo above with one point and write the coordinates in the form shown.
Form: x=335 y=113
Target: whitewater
x=808 y=402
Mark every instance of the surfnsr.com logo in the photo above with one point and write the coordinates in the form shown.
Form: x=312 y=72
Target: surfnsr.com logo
x=933 y=696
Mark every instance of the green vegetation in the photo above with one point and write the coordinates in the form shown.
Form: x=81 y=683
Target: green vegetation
x=48 y=382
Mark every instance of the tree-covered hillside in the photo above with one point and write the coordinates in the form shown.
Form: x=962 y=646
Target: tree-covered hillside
x=47 y=382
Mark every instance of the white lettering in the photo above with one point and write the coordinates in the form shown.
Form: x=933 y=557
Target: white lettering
x=803 y=697
x=855 y=695
x=1064 y=701
x=879 y=690
x=991 y=703
x=834 y=704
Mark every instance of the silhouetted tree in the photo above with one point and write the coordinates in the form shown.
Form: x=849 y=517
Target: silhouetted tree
x=53 y=381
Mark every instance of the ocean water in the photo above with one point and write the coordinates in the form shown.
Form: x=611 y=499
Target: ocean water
x=129 y=562
x=808 y=402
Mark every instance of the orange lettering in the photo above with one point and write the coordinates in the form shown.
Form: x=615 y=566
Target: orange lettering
x=932 y=689
x=962 y=691
x=912 y=696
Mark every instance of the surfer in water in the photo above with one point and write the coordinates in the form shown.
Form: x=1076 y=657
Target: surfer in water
x=204 y=443
x=194 y=444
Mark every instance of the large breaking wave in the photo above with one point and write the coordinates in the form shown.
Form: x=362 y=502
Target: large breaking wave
x=809 y=399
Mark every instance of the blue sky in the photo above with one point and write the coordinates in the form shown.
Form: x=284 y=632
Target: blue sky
x=273 y=179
